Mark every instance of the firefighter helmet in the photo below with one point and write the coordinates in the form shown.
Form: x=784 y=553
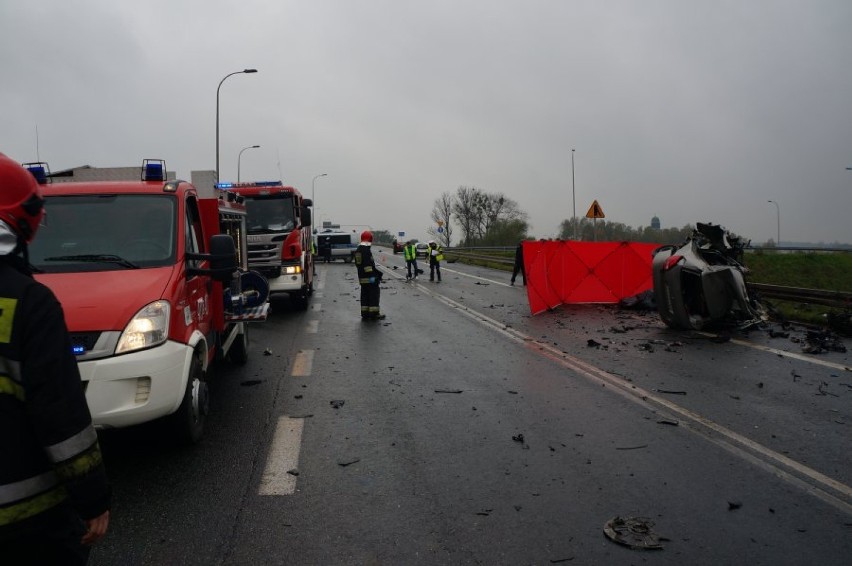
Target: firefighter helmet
x=21 y=203
x=366 y=236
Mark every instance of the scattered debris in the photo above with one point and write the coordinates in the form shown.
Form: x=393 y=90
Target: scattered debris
x=484 y=512
x=349 y=462
x=643 y=301
x=250 y=382
x=778 y=333
x=822 y=391
x=483 y=284
x=267 y=352
x=635 y=532
x=336 y=404
x=818 y=341
x=518 y=437
x=670 y=391
x=448 y=391
x=638 y=447
x=593 y=343
x=671 y=422
x=293 y=472
x=732 y=505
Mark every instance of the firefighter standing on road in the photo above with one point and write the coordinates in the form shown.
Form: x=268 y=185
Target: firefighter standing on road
x=436 y=256
x=410 y=251
x=54 y=495
x=369 y=277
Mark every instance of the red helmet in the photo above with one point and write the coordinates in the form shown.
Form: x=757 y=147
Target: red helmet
x=366 y=236
x=21 y=203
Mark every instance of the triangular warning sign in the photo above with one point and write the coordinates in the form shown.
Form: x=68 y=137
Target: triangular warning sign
x=595 y=211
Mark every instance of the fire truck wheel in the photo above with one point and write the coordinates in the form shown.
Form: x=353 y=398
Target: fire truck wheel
x=300 y=300
x=238 y=353
x=192 y=413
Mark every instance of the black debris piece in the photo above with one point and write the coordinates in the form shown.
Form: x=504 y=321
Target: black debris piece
x=293 y=472
x=348 y=462
x=638 y=447
x=670 y=391
x=448 y=391
x=671 y=422
x=593 y=343
x=778 y=333
x=732 y=505
x=518 y=437
x=644 y=301
x=336 y=404
x=250 y=382
x=267 y=352
x=634 y=532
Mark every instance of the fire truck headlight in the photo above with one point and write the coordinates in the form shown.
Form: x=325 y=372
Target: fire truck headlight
x=150 y=327
x=293 y=269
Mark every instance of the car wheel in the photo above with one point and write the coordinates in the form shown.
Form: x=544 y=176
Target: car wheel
x=191 y=416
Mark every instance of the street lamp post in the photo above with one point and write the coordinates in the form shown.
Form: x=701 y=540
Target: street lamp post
x=313 y=193
x=217 y=113
x=573 y=196
x=240 y=157
x=778 y=221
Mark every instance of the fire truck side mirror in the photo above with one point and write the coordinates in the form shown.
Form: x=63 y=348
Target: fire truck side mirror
x=222 y=256
x=306 y=216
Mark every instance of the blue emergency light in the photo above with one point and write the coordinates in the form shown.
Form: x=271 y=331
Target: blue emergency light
x=153 y=170
x=39 y=170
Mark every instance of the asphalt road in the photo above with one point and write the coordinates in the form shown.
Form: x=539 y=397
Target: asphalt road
x=461 y=430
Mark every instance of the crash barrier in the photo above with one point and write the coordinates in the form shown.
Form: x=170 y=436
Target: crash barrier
x=585 y=272
x=836 y=299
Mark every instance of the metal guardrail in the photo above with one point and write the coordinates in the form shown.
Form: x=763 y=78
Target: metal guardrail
x=837 y=299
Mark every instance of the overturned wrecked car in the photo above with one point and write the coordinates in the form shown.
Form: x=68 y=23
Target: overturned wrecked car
x=702 y=281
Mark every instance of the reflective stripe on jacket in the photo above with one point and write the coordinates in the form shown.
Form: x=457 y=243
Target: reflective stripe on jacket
x=53 y=455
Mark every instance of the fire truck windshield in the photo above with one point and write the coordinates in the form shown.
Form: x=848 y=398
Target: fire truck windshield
x=106 y=232
x=270 y=214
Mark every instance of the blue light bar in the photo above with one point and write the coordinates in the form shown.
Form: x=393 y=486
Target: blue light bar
x=153 y=170
x=39 y=170
x=252 y=184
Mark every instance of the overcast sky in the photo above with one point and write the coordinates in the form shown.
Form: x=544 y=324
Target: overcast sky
x=693 y=111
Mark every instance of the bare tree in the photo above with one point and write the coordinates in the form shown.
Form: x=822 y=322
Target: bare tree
x=441 y=214
x=466 y=208
x=493 y=208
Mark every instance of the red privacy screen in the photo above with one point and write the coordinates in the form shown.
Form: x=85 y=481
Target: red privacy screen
x=585 y=272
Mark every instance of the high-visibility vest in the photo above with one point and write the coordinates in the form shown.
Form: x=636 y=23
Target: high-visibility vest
x=410 y=252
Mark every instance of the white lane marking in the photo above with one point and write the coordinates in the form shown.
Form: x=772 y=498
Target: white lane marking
x=821 y=486
x=321 y=284
x=312 y=327
x=316 y=306
x=283 y=457
x=793 y=355
x=303 y=364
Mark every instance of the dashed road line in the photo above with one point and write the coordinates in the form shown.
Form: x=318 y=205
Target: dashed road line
x=279 y=475
x=312 y=326
x=303 y=364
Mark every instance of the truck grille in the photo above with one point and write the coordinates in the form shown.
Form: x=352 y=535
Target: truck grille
x=264 y=254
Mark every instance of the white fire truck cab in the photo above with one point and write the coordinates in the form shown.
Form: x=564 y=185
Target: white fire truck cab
x=154 y=283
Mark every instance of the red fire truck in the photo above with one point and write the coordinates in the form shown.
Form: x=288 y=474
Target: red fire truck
x=154 y=283
x=279 y=237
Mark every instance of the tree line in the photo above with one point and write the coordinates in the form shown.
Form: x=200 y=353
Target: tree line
x=472 y=217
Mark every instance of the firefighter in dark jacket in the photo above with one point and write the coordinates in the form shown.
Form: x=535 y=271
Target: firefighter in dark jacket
x=369 y=278
x=54 y=495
